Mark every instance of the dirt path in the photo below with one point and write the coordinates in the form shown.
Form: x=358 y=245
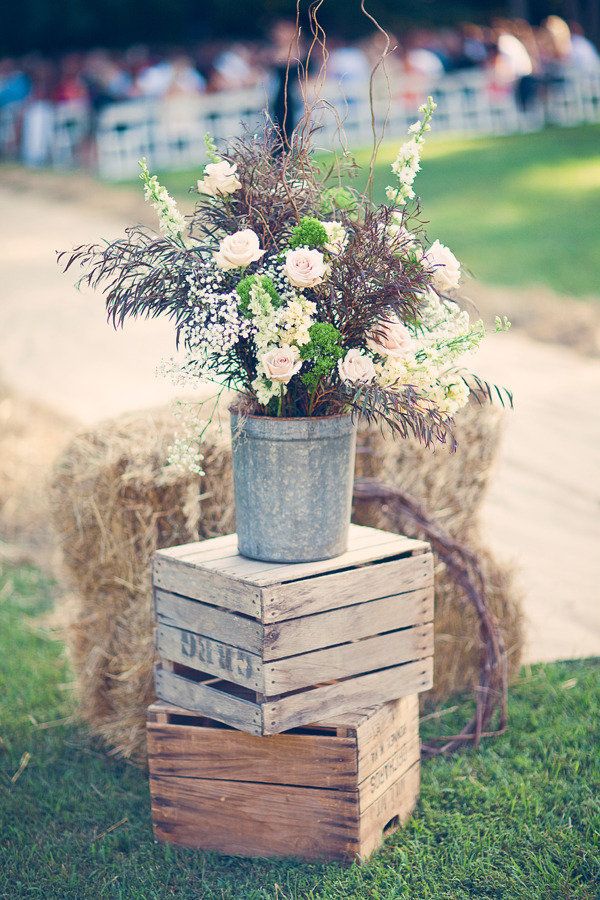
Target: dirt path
x=54 y=341
x=544 y=507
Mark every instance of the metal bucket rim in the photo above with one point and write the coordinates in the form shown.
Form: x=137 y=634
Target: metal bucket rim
x=288 y=428
x=243 y=416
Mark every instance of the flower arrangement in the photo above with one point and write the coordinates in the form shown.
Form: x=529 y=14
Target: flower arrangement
x=299 y=292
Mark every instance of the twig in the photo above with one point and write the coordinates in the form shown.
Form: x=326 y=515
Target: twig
x=381 y=62
x=22 y=766
x=55 y=723
x=108 y=830
x=438 y=713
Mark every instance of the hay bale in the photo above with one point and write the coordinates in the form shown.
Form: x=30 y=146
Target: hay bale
x=31 y=437
x=451 y=487
x=114 y=502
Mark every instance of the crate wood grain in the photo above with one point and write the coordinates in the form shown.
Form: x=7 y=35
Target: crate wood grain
x=292 y=643
x=327 y=791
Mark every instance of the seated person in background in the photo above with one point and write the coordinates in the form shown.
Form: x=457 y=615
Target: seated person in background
x=583 y=56
x=234 y=69
x=172 y=77
x=106 y=80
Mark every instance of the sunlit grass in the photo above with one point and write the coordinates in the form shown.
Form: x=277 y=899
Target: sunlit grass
x=520 y=210
x=569 y=178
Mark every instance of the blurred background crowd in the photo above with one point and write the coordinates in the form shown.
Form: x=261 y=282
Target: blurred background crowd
x=513 y=55
x=511 y=49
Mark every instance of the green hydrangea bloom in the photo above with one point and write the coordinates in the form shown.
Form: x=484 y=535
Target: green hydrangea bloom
x=309 y=233
x=337 y=198
x=323 y=350
x=244 y=287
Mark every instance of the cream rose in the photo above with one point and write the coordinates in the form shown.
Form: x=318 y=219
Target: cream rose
x=446 y=275
x=305 y=268
x=219 y=179
x=281 y=364
x=391 y=338
x=337 y=237
x=238 y=250
x=356 y=368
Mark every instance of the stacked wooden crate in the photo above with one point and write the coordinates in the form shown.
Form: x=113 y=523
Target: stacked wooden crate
x=315 y=653
x=320 y=792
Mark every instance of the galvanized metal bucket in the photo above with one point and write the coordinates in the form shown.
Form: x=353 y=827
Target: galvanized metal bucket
x=293 y=486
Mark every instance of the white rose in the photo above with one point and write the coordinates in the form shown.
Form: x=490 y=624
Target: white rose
x=457 y=396
x=219 y=179
x=305 y=268
x=391 y=338
x=355 y=367
x=446 y=275
x=238 y=250
x=281 y=364
x=337 y=237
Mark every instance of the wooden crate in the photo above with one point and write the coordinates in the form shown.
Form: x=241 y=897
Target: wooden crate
x=265 y=647
x=322 y=792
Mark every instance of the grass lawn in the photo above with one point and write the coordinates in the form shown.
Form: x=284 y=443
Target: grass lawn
x=520 y=210
x=515 y=820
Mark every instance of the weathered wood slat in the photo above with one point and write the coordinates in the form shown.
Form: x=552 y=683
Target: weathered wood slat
x=378 y=652
x=241 y=566
x=255 y=819
x=378 y=782
x=364 y=690
x=333 y=591
x=295 y=635
x=221 y=624
x=390 y=811
x=360 y=550
x=224 y=548
x=224 y=545
x=307 y=760
x=160 y=708
x=383 y=731
x=208 y=701
x=377 y=734
x=272 y=717
x=179 y=577
x=351 y=719
x=349 y=623
x=207 y=655
x=361 y=557
x=356 y=718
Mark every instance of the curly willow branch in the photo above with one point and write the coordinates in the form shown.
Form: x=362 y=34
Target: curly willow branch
x=492 y=692
x=377 y=139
